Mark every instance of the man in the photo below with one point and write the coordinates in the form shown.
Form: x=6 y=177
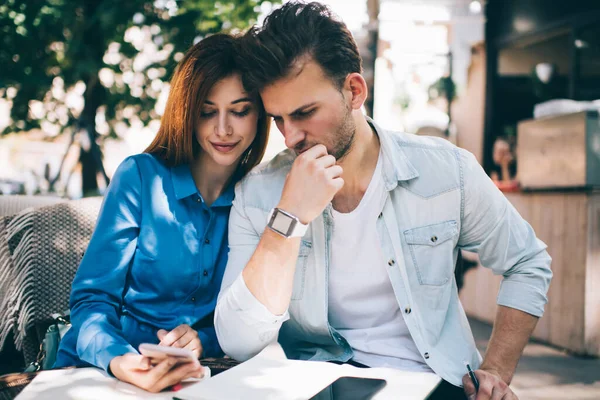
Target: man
x=343 y=246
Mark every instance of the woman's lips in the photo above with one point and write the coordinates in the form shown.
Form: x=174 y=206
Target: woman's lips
x=224 y=147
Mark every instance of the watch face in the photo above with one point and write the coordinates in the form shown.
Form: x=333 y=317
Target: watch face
x=282 y=223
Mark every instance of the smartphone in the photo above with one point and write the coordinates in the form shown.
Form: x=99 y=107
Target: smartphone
x=351 y=388
x=158 y=353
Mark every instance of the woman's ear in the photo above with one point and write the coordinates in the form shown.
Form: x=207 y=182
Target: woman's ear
x=357 y=86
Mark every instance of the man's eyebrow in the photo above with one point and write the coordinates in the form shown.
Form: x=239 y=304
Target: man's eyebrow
x=296 y=111
x=302 y=108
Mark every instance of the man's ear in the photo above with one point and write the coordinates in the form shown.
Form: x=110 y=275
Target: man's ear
x=356 y=85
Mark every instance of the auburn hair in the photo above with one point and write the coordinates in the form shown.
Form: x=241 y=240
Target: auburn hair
x=206 y=63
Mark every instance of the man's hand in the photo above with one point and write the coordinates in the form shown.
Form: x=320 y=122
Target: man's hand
x=491 y=386
x=183 y=337
x=137 y=370
x=311 y=184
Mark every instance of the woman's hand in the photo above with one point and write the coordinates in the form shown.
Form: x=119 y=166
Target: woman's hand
x=137 y=370
x=183 y=337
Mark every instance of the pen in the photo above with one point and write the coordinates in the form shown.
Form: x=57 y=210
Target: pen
x=473 y=377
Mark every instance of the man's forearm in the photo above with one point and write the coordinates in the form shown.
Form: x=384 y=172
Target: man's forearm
x=269 y=275
x=512 y=329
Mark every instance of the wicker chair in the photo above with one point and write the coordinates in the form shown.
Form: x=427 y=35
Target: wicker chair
x=40 y=250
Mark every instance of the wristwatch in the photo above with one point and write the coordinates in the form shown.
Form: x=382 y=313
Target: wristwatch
x=285 y=224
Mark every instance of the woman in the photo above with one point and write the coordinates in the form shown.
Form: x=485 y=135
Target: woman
x=154 y=265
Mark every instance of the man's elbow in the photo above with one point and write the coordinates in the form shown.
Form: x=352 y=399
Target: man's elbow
x=237 y=340
x=535 y=267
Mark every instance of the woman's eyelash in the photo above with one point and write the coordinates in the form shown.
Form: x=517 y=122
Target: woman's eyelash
x=242 y=113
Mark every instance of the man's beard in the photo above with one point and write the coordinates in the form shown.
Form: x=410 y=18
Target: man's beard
x=341 y=141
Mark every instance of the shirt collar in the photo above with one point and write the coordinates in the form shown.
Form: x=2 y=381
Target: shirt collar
x=184 y=186
x=226 y=198
x=396 y=166
x=183 y=182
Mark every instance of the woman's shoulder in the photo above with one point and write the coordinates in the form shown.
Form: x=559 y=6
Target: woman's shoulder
x=136 y=169
x=144 y=163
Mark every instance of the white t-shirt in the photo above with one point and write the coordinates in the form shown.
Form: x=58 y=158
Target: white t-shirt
x=362 y=304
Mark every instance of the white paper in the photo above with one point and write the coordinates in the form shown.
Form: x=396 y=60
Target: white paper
x=89 y=384
x=271 y=376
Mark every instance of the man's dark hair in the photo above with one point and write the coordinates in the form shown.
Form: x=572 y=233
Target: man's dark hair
x=292 y=32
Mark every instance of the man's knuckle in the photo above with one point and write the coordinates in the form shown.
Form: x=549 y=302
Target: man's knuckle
x=487 y=390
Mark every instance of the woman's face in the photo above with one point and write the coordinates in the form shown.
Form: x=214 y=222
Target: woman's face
x=228 y=122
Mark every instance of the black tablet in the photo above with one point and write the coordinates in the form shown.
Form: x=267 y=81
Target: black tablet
x=351 y=388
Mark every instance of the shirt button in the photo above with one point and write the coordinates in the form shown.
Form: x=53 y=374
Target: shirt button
x=426 y=355
x=407 y=310
x=205 y=273
x=198 y=199
x=193 y=299
x=391 y=262
x=206 y=241
x=434 y=239
x=380 y=215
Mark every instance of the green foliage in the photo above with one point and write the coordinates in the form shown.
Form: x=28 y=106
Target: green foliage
x=76 y=43
x=443 y=87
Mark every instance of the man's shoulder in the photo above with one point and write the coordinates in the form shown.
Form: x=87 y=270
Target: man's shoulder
x=280 y=164
x=262 y=186
x=411 y=142
x=438 y=163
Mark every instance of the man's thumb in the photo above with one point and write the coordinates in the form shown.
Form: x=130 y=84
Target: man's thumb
x=468 y=387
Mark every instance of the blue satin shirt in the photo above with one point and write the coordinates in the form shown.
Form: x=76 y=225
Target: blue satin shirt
x=155 y=261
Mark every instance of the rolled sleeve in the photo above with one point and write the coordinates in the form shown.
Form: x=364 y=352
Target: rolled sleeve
x=522 y=296
x=244 y=325
x=505 y=242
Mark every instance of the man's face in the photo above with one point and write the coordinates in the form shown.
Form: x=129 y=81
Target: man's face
x=309 y=109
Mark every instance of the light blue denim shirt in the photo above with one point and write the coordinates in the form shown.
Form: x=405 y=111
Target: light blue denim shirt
x=439 y=201
x=155 y=261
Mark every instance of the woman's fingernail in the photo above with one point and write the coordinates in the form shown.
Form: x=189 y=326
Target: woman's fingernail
x=177 y=387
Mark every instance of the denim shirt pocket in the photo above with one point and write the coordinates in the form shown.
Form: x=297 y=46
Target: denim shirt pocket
x=300 y=274
x=431 y=248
